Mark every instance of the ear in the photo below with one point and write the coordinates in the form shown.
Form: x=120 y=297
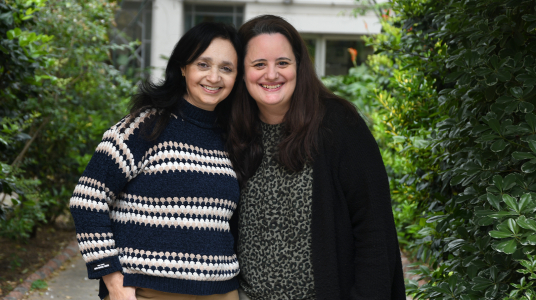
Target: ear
x=183 y=71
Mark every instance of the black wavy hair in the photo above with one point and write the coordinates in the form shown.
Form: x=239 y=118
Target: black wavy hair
x=165 y=95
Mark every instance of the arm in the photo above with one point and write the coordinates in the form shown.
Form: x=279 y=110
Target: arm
x=104 y=177
x=364 y=182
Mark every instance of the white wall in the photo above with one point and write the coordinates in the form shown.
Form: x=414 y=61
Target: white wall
x=167 y=29
x=319 y=19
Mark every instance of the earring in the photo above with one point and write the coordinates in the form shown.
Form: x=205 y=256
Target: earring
x=182 y=73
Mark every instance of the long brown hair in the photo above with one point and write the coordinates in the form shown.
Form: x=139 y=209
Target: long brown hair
x=301 y=122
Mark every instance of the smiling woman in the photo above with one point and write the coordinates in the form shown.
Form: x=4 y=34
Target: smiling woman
x=314 y=220
x=152 y=208
x=210 y=78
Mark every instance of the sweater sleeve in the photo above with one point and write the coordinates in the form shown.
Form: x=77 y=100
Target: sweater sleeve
x=103 y=179
x=364 y=182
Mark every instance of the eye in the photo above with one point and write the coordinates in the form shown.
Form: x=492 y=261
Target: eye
x=283 y=63
x=227 y=69
x=259 y=65
x=202 y=65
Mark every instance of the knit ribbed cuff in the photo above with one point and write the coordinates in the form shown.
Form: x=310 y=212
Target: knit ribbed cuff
x=98 y=268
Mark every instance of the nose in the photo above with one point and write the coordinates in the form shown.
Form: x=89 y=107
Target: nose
x=272 y=73
x=213 y=76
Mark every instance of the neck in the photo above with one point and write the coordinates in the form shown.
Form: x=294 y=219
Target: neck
x=271 y=115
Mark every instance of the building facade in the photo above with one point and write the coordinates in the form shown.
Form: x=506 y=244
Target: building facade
x=329 y=27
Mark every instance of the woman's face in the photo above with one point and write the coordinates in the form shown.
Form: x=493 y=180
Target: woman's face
x=210 y=78
x=270 y=72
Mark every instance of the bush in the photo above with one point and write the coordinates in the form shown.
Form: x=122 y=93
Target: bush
x=62 y=94
x=488 y=227
x=457 y=110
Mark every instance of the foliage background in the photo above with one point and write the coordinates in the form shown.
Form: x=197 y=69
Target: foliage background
x=59 y=93
x=452 y=109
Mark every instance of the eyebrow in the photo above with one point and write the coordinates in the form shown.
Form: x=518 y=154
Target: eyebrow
x=225 y=62
x=262 y=59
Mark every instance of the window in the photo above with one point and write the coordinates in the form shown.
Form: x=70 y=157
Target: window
x=338 y=59
x=229 y=14
x=311 y=48
x=134 y=23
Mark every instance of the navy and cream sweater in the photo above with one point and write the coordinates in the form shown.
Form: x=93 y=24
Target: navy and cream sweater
x=158 y=211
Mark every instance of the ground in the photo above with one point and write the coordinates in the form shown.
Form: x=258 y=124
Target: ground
x=19 y=259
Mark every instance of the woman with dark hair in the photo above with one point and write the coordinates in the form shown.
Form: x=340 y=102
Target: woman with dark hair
x=315 y=219
x=152 y=208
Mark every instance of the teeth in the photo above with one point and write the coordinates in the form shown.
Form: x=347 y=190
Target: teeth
x=210 y=88
x=271 y=87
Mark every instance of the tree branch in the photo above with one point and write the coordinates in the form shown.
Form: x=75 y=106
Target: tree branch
x=21 y=155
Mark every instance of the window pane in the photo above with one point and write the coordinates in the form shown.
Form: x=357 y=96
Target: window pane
x=213 y=9
x=187 y=22
x=338 y=59
x=239 y=21
x=311 y=48
x=203 y=18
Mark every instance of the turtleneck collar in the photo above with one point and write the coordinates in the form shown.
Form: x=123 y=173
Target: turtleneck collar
x=196 y=115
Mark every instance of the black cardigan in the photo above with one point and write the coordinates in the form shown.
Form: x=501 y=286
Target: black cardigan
x=355 y=247
x=354 y=243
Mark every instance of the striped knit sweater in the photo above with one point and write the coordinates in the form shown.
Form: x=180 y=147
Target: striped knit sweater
x=159 y=211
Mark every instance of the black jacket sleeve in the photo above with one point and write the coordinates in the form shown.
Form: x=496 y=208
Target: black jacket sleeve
x=363 y=180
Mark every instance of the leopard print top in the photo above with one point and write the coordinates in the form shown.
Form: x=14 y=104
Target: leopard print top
x=274 y=244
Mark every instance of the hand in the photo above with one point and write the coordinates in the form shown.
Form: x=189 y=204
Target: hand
x=114 y=283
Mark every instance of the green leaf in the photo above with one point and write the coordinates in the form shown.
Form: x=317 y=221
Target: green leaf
x=503 y=75
x=527 y=79
x=494 y=60
x=510 y=202
x=532 y=145
x=532 y=239
x=531 y=120
x=495 y=125
x=500 y=234
x=512 y=107
x=526 y=107
x=494 y=200
x=498 y=181
x=523 y=155
x=508 y=246
x=529 y=18
x=481 y=283
x=516 y=92
x=487 y=137
x=505 y=99
x=529 y=167
x=509 y=182
x=502 y=214
x=524 y=201
x=457 y=179
x=483 y=71
x=498 y=146
x=453 y=76
x=512 y=225
x=529 y=224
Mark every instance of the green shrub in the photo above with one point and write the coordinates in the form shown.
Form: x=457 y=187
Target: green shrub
x=456 y=120
x=488 y=227
x=62 y=94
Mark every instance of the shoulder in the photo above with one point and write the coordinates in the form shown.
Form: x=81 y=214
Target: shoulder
x=341 y=115
x=130 y=123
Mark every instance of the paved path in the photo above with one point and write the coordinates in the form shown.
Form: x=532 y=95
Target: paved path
x=70 y=283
